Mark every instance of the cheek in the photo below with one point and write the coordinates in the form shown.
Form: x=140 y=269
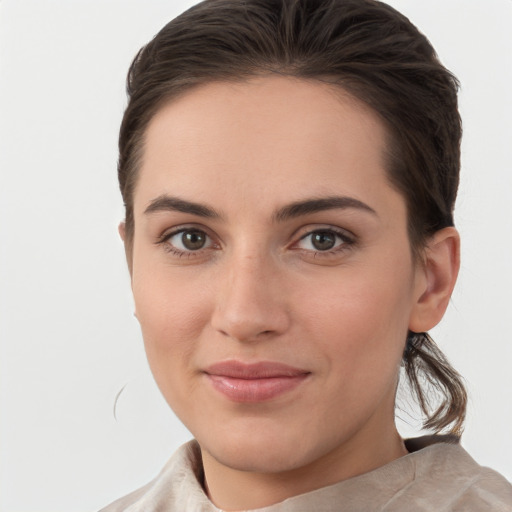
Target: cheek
x=172 y=315
x=361 y=320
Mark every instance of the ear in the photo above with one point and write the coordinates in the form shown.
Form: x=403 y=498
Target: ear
x=127 y=245
x=122 y=230
x=435 y=279
x=122 y=233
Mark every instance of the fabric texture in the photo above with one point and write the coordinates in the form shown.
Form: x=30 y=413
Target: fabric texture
x=438 y=475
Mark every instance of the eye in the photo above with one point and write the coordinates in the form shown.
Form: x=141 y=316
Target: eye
x=186 y=240
x=322 y=240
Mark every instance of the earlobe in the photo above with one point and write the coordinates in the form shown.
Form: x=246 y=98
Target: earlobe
x=127 y=244
x=122 y=230
x=436 y=280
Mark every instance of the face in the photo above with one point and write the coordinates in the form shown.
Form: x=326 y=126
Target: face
x=272 y=271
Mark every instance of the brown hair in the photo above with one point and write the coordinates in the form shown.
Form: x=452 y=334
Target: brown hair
x=368 y=49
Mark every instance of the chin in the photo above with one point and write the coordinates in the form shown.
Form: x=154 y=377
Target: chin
x=261 y=450
x=258 y=459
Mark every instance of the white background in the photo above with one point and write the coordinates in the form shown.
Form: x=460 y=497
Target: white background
x=69 y=342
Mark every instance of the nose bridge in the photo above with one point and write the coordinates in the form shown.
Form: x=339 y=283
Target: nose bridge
x=250 y=302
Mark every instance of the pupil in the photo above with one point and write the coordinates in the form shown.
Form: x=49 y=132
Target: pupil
x=193 y=240
x=323 y=241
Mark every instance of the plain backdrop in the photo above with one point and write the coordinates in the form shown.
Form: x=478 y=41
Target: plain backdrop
x=69 y=341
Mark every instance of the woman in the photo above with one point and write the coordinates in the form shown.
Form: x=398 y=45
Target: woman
x=289 y=171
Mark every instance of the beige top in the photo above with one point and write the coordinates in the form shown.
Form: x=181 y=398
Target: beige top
x=439 y=475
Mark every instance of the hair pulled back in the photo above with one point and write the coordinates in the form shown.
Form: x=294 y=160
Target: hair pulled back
x=368 y=49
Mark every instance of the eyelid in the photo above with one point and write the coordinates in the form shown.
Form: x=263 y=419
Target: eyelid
x=305 y=231
x=164 y=238
x=348 y=240
x=180 y=228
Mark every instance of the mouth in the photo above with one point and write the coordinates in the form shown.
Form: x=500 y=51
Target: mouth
x=256 y=382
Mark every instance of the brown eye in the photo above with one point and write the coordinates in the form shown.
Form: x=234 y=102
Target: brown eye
x=193 y=240
x=187 y=241
x=323 y=240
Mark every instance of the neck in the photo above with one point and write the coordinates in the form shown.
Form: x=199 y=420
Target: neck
x=231 y=489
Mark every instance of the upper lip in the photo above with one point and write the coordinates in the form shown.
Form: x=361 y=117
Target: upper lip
x=260 y=370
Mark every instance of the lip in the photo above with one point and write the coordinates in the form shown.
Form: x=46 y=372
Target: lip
x=255 y=382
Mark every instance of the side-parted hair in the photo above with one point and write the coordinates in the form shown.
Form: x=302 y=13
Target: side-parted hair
x=369 y=50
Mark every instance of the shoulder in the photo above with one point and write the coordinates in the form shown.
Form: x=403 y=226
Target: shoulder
x=177 y=487
x=448 y=478
x=122 y=504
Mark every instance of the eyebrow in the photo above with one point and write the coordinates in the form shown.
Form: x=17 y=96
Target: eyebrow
x=166 y=203
x=309 y=206
x=297 y=209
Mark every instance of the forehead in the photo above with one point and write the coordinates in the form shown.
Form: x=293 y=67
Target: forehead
x=268 y=137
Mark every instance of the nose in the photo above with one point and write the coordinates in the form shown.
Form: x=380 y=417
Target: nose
x=251 y=304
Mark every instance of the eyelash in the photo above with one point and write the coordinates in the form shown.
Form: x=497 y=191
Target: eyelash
x=347 y=242
x=168 y=247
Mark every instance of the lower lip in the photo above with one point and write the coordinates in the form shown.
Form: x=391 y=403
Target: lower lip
x=255 y=390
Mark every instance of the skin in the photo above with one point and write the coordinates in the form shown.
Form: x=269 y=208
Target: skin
x=260 y=290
